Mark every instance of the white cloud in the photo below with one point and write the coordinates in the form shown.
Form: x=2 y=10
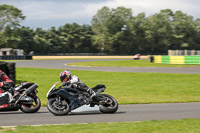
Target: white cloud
x=153 y=6
x=42 y=10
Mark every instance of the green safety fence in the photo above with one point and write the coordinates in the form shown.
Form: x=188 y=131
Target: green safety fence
x=177 y=59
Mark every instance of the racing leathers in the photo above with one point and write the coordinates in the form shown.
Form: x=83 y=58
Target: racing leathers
x=5 y=82
x=76 y=83
x=6 y=85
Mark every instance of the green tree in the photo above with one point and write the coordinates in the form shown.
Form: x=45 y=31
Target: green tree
x=26 y=35
x=41 y=43
x=120 y=34
x=159 y=31
x=10 y=16
x=136 y=37
x=184 y=31
x=100 y=28
x=76 y=38
x=109 y=26
x=12 y=37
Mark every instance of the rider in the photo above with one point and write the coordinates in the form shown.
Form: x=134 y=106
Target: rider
x=67 y=79
x=5 y=82
x=6 y=91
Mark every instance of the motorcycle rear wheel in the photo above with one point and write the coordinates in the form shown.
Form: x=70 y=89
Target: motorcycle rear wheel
x=111 y=106
x=31 y=108
x=57 y=109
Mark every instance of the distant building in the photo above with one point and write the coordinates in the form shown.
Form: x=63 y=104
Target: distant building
x=10 y=51
x=6 y=51
x=18 y=51
x=183 y=52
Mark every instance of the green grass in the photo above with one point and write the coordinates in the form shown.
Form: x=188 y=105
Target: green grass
x=167 y=126
x=127 y=88
x=129 y=63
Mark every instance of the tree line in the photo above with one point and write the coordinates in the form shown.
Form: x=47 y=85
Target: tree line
x=112 y=31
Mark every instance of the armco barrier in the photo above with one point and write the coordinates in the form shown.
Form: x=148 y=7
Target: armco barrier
x=177 y=59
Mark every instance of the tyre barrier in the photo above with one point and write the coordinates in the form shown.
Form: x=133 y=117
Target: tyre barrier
x=16 y=57
x=177 y=59
x=9 y=69
x=3 y=66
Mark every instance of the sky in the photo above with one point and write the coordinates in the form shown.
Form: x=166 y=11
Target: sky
x=55 y=13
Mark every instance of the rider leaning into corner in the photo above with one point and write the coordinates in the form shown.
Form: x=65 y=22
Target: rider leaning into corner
x=68 y=80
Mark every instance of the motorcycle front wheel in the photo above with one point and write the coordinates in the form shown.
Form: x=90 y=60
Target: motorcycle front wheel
x=31 y=108
x=110 y=106
x=58 y=107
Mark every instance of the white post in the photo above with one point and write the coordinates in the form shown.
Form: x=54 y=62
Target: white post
x=185 y=51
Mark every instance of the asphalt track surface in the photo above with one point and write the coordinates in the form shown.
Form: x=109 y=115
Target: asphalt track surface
x=62 y=64
x=137 y=112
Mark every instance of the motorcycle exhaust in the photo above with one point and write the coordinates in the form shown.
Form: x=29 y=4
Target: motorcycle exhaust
x=26 y=92
x=30 y=89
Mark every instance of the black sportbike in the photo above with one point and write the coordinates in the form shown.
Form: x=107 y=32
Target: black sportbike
x=23 y=97
x=63 y=100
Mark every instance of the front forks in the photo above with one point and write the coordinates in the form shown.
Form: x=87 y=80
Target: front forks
x=58 y=100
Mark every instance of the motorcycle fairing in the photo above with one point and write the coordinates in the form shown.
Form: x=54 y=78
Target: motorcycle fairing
x=4 y=98
x=99 y=88
x=3 y=106
x=63 y=93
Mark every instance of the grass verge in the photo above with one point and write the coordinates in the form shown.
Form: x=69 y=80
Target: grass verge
x=127 y=88
x=129 y=63
x=167 y=126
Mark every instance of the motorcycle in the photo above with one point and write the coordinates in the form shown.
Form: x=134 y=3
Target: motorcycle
x=23 y=97
x=63 y=100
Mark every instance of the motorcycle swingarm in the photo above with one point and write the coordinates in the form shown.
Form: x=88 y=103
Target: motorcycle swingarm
x=100 y=100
